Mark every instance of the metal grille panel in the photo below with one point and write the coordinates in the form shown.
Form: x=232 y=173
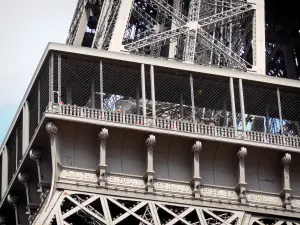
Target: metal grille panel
x=290 y=112
x=173 y=95
x=80 y=81
x=11 y=151
x=44 y=88
x=122 y=88
x=33 y=111
x=212 y=101
x=261 y=108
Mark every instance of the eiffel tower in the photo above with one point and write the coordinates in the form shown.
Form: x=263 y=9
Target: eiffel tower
x=155 y=112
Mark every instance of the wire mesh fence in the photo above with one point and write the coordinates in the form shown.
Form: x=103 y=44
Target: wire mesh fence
x=122 y=88
x=12 y=155
x=212 y=101
x=290 y=112
x=80 y=82
x=44 y=88
x=261 y=108
x=172 y=95
x=19 y=137
x=33 y=102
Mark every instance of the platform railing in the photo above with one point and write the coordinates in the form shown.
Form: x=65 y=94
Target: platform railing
x=174 y=125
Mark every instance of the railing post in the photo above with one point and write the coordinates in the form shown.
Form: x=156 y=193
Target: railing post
x=242 y=105
x=25 y=132
x=280 y=112
x=153 y=91
x=192 y=98
x=4 y=181
x=233 y=110
x=143 y=91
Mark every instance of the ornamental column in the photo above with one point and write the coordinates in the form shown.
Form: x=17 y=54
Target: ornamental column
x=149 y=176
x=241 y=187
x=24 y=179
x=286 y=191
x=195 y=182
x=101 y=170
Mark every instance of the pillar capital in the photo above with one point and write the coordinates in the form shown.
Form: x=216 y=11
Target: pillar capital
x=103 y=135
x=12 y=199
x=35 y=154
x=286 y=160
x=197 y=147
x=51 y=129
x=23 y=177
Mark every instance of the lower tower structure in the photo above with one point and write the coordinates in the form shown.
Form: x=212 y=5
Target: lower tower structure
x=110 y=138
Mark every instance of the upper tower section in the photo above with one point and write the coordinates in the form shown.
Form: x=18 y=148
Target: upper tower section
x=221 y=33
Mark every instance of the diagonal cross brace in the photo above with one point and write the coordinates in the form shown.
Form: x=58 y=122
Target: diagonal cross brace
x=225 y=50
x=224 y=15
x=144 y=15
x=156 y=38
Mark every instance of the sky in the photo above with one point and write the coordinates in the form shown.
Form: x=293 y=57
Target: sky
x=26 y=27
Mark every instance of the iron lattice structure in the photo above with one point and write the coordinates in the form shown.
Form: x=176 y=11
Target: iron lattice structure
x=222 y=33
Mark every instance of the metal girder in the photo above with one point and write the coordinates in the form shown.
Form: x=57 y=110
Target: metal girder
x=241 y=63
x=225 y=15
x=144 y=15
x=102 y=23
x=156 y=38
x=75 y=21
x=169 y=10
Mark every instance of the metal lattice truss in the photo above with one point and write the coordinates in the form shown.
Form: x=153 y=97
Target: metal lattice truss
x=69 y=207
x=210 y=32
x=199 y=28
x=78 y=208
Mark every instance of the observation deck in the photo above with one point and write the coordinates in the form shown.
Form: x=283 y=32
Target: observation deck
x=84 y=89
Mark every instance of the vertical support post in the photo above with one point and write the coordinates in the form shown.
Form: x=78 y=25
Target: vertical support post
x=59 y=77
x=195 y=182
x=233 y=110
x=4 y=181
x=149 y=176
x=286 y=186
x=268 y=119
x=39 y=101
x=280 y=112
x=120 y=26
x=84 y=19
x=192 y=98
x=101 y=170
x=93 y=95
x=101 y=85
x=173 y=45
x=143 y=90
x=24 y=179
x=259 y=42
x=153 y=91
x=25 y=132
x=181 y=105
x=242 y=105
x=241 y=187
x=51 y=73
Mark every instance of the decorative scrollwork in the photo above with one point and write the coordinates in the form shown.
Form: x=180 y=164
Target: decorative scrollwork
x=23 y=177
x=12 y=199
x=35 y=154
x=51 y=129
x=197 y=146
x=286 y=159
